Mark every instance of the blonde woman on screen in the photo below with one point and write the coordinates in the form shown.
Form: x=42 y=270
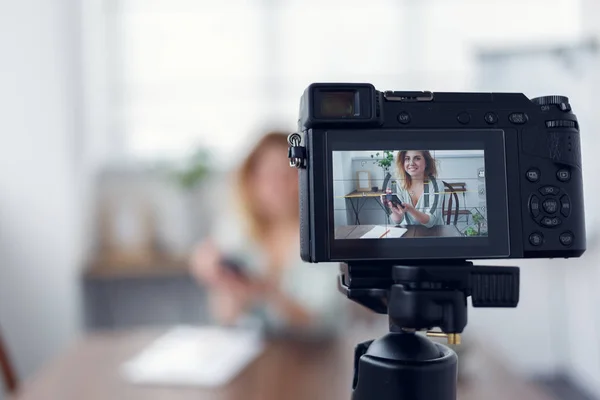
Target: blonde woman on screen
x=419 y=192
x=271 y=285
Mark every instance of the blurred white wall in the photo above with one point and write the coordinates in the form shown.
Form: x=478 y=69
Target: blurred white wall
x=41 y=234
x=556 y=328
x=582 y=323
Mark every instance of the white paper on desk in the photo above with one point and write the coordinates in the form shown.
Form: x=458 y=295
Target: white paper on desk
x=196 y=356
x=383 y=232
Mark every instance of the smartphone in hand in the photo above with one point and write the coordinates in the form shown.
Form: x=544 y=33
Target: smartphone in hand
x=394 y=199
x=234 y=266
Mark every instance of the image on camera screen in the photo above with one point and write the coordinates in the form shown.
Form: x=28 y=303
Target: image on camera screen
x=391 y=194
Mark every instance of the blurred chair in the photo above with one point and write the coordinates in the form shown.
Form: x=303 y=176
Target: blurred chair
x=6 y=368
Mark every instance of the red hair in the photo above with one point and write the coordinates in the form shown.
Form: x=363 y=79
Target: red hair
x=430 y=167
x=258 y=223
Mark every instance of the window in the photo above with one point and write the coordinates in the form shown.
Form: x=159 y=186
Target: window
x=216 y=74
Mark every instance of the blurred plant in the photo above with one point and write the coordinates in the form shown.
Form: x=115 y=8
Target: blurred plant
x=193 y=169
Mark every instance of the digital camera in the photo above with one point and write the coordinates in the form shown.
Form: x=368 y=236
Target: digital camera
x=471 y=175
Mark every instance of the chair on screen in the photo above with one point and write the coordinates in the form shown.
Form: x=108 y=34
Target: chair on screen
x=450 y=206
x=6 y=368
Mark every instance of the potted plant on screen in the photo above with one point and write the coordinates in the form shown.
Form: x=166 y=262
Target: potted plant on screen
x=385 y=163
x=479 y=220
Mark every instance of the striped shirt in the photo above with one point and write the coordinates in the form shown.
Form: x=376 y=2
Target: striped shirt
x=429 y=203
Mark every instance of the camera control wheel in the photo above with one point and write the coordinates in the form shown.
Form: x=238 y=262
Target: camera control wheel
x=546 y=101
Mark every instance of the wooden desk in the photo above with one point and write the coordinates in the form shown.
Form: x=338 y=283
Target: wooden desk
x=286 y=371
x=414 y=231
x=357 y=194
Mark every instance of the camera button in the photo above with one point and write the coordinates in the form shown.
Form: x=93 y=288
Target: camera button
x=550 y=222
x=533 y=175
x=550 y=206
x=490 y=118
x=536 y=239
x=464 y=118
x=534 y=206
x=404 y=117
x=565 y=206
x=518 y=118
x=563 y=175
x=546 y=190
x=566 y=238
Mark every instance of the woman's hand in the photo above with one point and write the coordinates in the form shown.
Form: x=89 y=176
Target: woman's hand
x=231 y=294
x=397 y=211
x=421 y=217
x=207 y=268
x=409 y=208
x=204 y=263
x=246 y=290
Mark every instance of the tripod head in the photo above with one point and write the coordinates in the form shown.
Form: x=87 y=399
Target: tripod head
x=402 y=365
x=424 y=296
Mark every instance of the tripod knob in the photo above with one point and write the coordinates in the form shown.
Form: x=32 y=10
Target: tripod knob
x=453 y=338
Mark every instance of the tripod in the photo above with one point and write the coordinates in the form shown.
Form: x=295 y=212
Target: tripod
x=403 y=365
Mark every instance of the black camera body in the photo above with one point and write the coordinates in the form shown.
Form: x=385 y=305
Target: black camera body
x=528 y=190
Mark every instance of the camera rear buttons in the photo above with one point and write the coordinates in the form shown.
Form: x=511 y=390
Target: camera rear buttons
x=464 y=118
x=550 y=222
x=490 y=118
x=536 y=239
x=404 y=117
x=547 y=190
x=518 y=118
x=533 y=175
x=534 y=206
x=565 y=206
x=563 y=175
x=566 y=238
x=550 y=206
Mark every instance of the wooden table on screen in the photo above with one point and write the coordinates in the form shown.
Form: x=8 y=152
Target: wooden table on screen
x=287 y=370
x=355 y=198
x=413 y=231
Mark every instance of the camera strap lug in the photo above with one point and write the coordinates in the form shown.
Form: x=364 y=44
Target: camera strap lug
x=296 y=153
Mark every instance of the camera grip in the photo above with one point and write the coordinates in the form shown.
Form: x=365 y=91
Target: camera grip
x=562 y=146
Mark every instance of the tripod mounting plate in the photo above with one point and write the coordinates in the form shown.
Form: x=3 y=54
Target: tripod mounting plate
x=424 y=296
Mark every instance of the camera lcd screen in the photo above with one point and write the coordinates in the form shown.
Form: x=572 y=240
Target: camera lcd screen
x=409 y=194
x=339 y=104
x=416 y=194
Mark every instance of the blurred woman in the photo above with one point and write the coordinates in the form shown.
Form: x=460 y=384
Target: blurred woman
x=251 y=264
x=419 y=193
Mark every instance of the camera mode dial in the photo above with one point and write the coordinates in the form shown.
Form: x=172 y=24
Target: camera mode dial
x=562 y=102
x=562 y=123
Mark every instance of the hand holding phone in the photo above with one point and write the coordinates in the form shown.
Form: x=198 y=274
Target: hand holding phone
x=394 y=199
x=233 y=266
